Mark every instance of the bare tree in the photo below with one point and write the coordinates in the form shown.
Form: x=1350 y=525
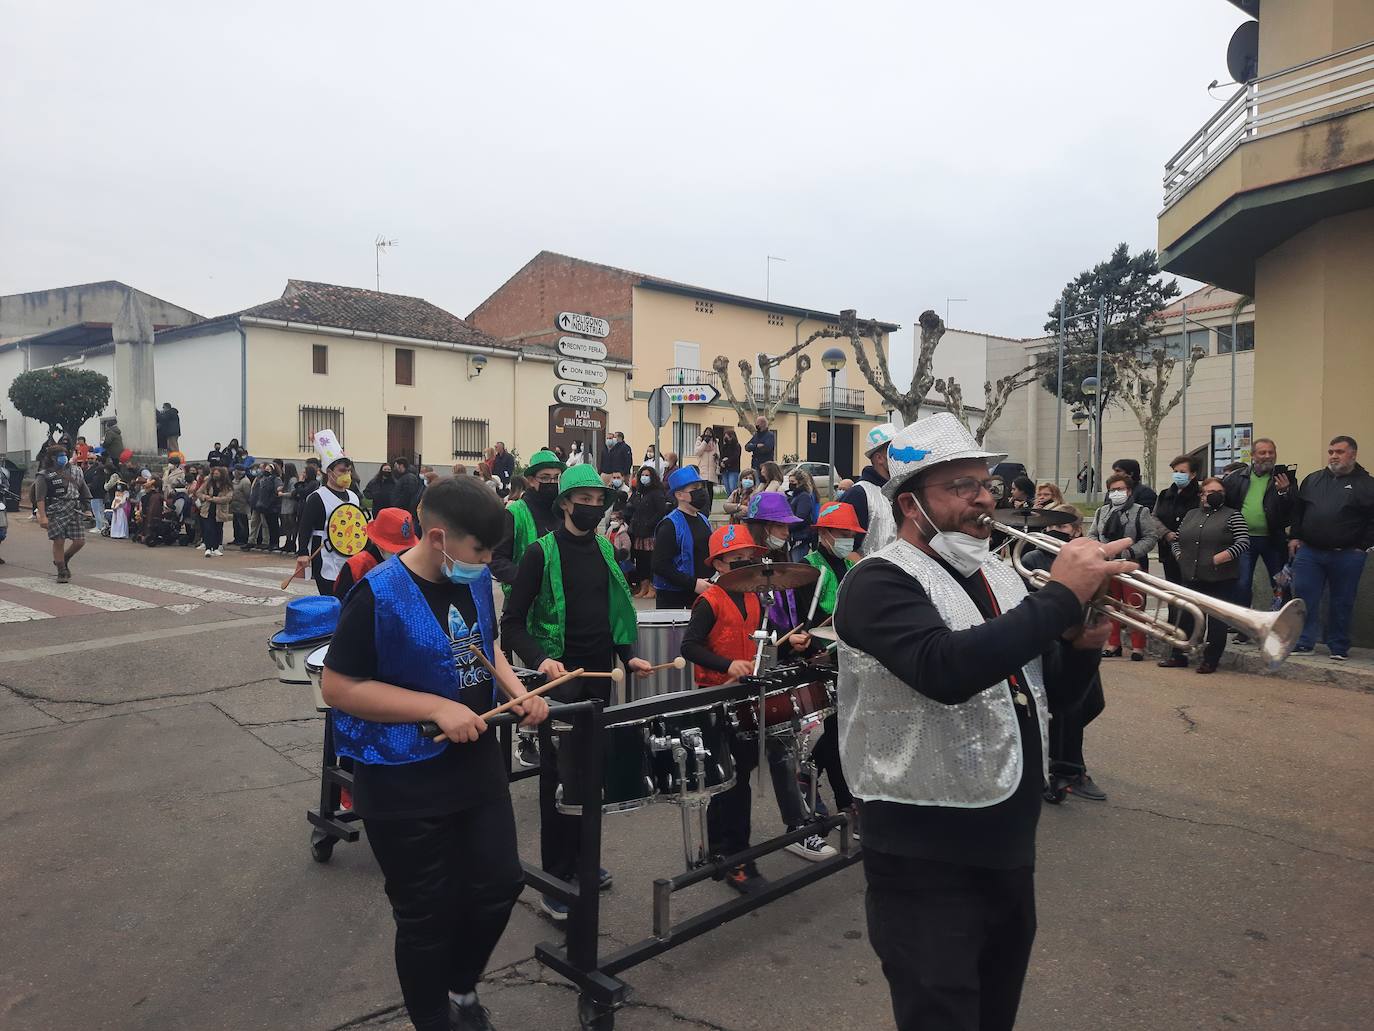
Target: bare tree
x=1144 y=382
x=996 y=394
x=748 y=410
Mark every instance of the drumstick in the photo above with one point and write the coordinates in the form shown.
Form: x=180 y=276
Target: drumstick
x=431 y=729
x=789 y=633
x=299 y=570
x=678 y=663
x=616 y=675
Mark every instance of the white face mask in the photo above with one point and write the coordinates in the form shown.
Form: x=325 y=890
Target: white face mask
x=842 y=546
x=961 y=550
x=1117 y=497
x=776 y=543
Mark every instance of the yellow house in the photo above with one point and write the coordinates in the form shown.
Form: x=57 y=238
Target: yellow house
x=672 y=333
x=1274 y=198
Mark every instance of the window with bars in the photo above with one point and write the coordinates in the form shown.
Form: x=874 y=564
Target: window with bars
x=1245 y=337
x=405 y=367
x=319 y=359
x=470 y=437
x=314 y=418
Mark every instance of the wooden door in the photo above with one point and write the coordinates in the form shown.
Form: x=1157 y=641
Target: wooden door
x=400 y=437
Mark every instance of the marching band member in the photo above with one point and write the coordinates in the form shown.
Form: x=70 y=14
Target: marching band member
x=945 y=667
x=533 y=515
x=871 y=509
x=570 y=608
x=390 y=533
x=331 y=506
x=438 y=814
x=680 y=564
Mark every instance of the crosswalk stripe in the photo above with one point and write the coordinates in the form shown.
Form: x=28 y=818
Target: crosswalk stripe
x=277 y=571
x=209 y=595
x=79 y=594
x=248 y=581
x=13 y=612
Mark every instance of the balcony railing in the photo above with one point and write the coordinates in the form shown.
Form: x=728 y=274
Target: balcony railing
x=845 y=398
x=1272 y=104
x=775 y=389
x=682 y=375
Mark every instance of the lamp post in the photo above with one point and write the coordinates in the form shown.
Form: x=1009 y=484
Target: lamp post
x=1079 y=418
x=1089 y=390
x=833 y=360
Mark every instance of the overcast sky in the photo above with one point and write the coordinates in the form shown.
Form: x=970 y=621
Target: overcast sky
x=894 y=154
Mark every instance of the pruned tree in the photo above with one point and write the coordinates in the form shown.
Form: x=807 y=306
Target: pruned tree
x=1143 y=387
x=996 y=394
x=748 y=410
x=60 y=398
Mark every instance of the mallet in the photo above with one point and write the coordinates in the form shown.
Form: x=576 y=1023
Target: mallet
x=300 y=571
x=678 y=663
x=431 y=729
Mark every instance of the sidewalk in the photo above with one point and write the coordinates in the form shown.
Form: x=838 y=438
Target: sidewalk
x=1354 y=674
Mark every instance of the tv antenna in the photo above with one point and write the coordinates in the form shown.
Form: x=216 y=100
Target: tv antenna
x=381 y=244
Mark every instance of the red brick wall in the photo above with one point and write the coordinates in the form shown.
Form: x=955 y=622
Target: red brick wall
x=522 y=310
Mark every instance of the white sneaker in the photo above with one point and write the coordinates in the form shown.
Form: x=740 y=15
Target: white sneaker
x=812 y=849
x=219 y=553
x=208 y=553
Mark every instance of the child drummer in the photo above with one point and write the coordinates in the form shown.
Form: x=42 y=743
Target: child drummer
x=719 y=642
x=437 y=813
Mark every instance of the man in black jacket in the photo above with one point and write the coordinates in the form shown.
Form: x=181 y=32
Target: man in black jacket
x=503 y=466
x=1333 y=531
x=616 y=456
x=409 y=486
x=1265 y=498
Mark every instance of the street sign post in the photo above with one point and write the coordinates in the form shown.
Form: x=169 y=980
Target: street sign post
x=690 y=393
x=580 y=364
x=660 y=411
x=580 y=372
x=587 y=325
x=582 y=349
x=577 y=394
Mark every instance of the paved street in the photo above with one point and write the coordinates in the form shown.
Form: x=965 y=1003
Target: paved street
x=155 y=870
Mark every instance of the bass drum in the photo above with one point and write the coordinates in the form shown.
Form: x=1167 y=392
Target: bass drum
x=660 y=640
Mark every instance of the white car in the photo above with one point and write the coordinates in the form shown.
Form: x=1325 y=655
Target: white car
x=818 y=471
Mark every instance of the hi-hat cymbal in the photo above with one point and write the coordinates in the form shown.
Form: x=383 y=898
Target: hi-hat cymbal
x=767 y=576
x=1033 y=518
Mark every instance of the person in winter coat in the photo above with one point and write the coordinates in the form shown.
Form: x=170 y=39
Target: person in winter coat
x=113 y=442
x=239 y=505
x=647 y=505
x=730 y=453
x=1121 y=517
x=214 y=503
x=708 y=457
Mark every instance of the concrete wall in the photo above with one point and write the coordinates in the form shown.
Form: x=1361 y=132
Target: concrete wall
x=1294 y=31
x=28 y=314
x=962 y=355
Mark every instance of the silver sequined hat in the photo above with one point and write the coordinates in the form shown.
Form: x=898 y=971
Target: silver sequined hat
x=928 y=442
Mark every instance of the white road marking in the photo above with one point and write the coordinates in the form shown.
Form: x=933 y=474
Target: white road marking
x=13 y=612
x=160 y=635
x=77 y=593
x=248 y=581
x=190 y=606
x=209 y=595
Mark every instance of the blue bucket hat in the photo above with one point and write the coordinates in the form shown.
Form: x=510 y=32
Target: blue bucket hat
x=680 y=479
x=308 y=619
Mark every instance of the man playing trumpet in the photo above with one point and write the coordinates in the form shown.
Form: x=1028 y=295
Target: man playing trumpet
x=947 y=671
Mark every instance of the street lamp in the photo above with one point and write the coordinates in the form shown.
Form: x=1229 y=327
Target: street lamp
x=832 y=361
x=1089 y=390
x=1079 y=418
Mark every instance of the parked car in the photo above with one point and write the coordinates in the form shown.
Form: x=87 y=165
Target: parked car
x=819 y=472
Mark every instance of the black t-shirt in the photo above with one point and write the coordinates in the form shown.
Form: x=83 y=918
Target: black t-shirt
x=463 y=775
x=665 y=553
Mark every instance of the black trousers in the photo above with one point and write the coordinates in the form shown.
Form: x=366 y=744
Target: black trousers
x=954 y=941
x=826 y=756
x=272 y=520
x=671 y=599
x=728 y=816
x=1066 y=732
x=452 y=881
x=1223 y=590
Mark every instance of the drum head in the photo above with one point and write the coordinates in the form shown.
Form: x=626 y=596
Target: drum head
x=314 y=662
x=664 y=617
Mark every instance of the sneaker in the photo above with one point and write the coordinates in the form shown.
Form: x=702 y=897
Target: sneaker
x=553 y=909
x=468 y=1016
x=1082 y=786
x=64 y=575
x=219 y=553
x=208 y=553
x=812 y=849
x=1339 y=658
x=1301 y=649
x=746 y=879
x=606 y=879
x=527 y=752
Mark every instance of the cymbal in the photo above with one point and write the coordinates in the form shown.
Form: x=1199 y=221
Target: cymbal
x=825 y=633
x=768 y=576
x=1033 y=518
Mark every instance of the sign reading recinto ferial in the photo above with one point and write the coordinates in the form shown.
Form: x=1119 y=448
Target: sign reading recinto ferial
x=580 y=372
x=582 y=349
x=587 y=325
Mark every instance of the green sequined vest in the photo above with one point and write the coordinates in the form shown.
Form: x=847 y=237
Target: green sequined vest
x=548 y=615
x=828 y=584
x=525 y=535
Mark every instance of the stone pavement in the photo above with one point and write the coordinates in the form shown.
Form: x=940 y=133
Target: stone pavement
x=156 y=874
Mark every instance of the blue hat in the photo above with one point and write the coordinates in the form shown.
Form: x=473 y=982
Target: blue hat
x=249 y=461
x=682 y=478
x=308 y=619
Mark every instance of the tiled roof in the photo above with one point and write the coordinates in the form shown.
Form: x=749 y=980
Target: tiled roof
x=1207 y=299
x=348 y=307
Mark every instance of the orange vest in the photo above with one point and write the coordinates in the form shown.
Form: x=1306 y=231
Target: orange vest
x=360 y=565
x=729 y=638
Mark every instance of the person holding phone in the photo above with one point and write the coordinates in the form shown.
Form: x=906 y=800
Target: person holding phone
x=1262 y=493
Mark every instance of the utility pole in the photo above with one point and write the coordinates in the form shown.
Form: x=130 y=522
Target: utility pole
x=768 y=276
x=380 y=244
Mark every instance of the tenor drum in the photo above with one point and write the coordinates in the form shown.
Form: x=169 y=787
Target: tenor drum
x=660 y=640
x=314 y=668
x=626 y=775
x=290 y=658
x=692 y=752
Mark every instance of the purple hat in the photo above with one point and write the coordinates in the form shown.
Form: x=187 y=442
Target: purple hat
x=771 y=507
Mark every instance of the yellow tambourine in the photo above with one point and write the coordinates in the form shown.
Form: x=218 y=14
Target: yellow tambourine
x=346 y=531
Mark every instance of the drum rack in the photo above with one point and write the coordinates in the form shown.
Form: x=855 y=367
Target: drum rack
x=600 y=991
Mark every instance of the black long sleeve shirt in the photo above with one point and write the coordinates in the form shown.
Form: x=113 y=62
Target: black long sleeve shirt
x=546 y=518
x=1335 y=511
x=888 y=614
x=703 y=620
x=665 y=554
x=858 y=497
x=587 y=602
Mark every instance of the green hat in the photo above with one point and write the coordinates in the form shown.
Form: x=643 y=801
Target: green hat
x=579 y=477
x=540 y=459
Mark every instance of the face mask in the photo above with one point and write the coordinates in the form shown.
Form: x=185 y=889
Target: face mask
x=1181 y=479
x=345 y=480
x=460 y=572
x=961 y=550
x=646 y=480
x=842 y=546
x=701 y=499
x=616 y=481
x=1213 y=500
x=386 y=476
x=61 y=460
x=586 y=517
x=746 y=484
x=1117 y=497
x=776 y=543
x=547 y=491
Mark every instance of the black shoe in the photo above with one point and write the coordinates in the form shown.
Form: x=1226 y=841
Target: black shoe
x=1056 y=790
x=606 y=879
x=1111 y=653
x=473 y=1017
x=1206 y=667
x=1173 y=662
x=1137 y=656
x=1082 y=786
x=746 y=879
x=1301 y=649
x=1240 y=639
x=527 y=752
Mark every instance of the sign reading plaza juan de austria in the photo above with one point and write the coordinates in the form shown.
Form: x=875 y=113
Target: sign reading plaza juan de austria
x=582 y=349
x=586 y=325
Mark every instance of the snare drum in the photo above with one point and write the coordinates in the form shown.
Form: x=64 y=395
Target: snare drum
x=290 y=658
x=626 y=776
x=314 y=668
x=792 y=694
x=692 y=752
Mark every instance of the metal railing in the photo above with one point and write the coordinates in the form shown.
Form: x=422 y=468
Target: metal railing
x=684 y=375
x=849 y=399
x=774 y=390
x=1272 y=104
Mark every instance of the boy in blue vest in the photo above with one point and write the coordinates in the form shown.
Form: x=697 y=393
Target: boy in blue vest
x=437 y=813
x=570 y=608
x=681 y=566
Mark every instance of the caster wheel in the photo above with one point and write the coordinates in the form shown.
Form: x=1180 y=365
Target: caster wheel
x=593 y=1017
x=321 y=847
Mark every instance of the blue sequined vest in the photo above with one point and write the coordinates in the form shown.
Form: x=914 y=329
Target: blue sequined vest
x=414 y=652
x=685 y=559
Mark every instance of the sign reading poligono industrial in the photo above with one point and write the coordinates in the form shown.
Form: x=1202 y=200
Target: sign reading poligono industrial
x=580 y=372
x=587 y=325
x=581 y=348
x=576 y=394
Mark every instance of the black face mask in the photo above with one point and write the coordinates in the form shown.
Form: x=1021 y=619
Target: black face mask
x=586 y=517
x=740 y=564
x=1213 y=500
x=701 y=499
x=547 y=492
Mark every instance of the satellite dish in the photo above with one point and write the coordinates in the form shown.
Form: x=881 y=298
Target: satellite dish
x=1242 y=53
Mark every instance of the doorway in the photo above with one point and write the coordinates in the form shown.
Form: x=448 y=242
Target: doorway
x=400 y=438
x=818 y=445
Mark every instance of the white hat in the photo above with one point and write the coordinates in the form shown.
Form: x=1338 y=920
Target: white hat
x=878 y=436
x=929 y=442
x=329 y=449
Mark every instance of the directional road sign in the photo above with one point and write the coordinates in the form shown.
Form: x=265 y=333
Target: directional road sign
x=576 y=394
x=582 y=349
x=660 y=409
x=580 y=372
x=690 y=393
x=587 y=325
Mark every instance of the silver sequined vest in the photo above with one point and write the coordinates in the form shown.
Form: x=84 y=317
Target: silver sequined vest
x=882 y=527
x=897 y=745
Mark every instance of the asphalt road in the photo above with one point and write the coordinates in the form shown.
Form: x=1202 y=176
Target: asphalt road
x=155 y=871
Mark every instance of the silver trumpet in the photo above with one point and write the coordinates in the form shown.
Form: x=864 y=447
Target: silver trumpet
x=1274 y=632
